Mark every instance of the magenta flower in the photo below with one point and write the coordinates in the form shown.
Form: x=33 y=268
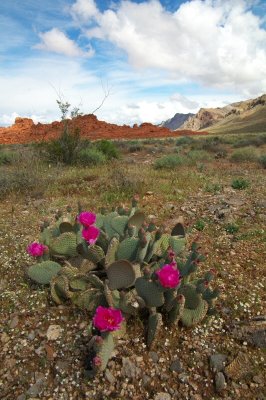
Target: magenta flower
x=107 y=319
x=169 y=276
x=97 y=361
x=86 y=218
x=91 y=234
x=36 y=249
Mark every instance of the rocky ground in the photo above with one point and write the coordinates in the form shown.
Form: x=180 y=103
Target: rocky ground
x=43 y=346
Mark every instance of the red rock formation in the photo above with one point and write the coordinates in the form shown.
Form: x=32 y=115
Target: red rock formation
x=25 y=131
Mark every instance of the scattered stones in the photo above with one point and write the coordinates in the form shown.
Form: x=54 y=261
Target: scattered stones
x=53 y=332
x=36 y=388
x=176 y=366
x=5 y=338
x=217 y=362
x=14 y=322
x=154 y=356
x=129 y=369
x=162 y=396
x=220 y=382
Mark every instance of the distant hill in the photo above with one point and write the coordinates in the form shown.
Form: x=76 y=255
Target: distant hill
x=242 y=117
x=175 y=122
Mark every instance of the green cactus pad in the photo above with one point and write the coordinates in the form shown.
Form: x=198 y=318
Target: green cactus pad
x=103 y=241
x=79 y=283
x=142 y=252
x=190 y=318
x=69 y=271
x=128 y=303
x=112 y=296
x=104 y=350
x=111 y=252
x=177 y=244
x=127 y=249
x=66 y=225
x=95 y=281
x=154 y=326
x=107 y=224
x=121 y=274
x=178 y=230
x=61 y=285
x=193 y=298
x=89 y=300
x=161 y=245
x=64 y=245
x=177 y=309
x=137 y=219
x=119 y=224
x=55 y=294
x=150 y=292
x=99 y=220
x=43 y=272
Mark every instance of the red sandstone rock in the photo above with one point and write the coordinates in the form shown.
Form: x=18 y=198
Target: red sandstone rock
x=25 y=131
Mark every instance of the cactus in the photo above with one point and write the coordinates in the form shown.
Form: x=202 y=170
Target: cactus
x=122 y=274
x=137 y=219
x=111 y=252
x=154 y=325
x=127 y=249
x=191 y=317
x=177 y=309
x=119 y=224
x=178 y=230
x=150 y=292
x=44 y=271
x=193 y=298
x=103 y=350
x=64 y=245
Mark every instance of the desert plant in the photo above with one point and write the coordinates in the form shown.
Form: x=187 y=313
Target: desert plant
x=247 y=154
x=232 y=228
x=170 y=161
x=7 y=157
x=90 y=157
x=199 y=225
x=184 y=141
x=198 y=155
x=108 y=148
x=240 y=184
x=262 y=161
x=119 y=265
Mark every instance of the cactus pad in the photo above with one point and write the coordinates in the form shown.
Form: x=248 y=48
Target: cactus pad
x=150 y=292
x=154 y=325
x=64 y=245
x=121 y=274
x=127 y=249
x=137 y=219
x=43 y=272
x=193 y=317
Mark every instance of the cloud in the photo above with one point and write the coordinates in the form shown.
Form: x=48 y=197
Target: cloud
x=184 y=101
x=84 y=10
x=213 y=42
x=56 y=41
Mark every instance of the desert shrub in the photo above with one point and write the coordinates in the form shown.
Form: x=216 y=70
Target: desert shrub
x=213 y=188
x=7 y=157
x=199 y=225
x=232 y=228
x=184 y=140
x=135 y=147
x=170 y=161
x=90 y=157
x=198 y=155
x=262 y=161
x=248 y=154
x=240 y=184
x=251 y=141
x=108 y=148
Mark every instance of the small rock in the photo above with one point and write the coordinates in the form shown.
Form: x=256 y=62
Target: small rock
x=14 y=322
x=146 y=380
x=5 y=338
x=154 y=356
x=258 y=338
x=162 y=396
x=21 y=397
x=217 y=362
x=183 y=377
x=109 y=376
x=220 y=382
x=53 y=332
x=258 y=379
x=36 y=388
x=129 y=369
x=176 y=366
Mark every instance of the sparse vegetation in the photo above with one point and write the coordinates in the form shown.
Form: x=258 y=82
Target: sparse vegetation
x=246 y=154
x=240 y=184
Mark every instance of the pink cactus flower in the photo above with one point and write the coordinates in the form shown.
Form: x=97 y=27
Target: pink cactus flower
x=107 y=319
x=36 y=249
x=91 y=234
x=169 y=276
x=97 y=361
x=86 y=218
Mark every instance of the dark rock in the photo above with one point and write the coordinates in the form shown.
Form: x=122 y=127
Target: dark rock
x=217 y=362
x=129 y=369
x=258 y=338
x=220 y=382
x=176 y=366
x=36 y=388
x=154 y=356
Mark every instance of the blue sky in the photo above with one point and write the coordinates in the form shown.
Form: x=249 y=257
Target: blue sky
x=150 y=58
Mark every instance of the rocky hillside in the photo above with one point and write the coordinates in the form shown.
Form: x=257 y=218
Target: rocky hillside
x=25 y=131
x=245 y=116
x=177 y=120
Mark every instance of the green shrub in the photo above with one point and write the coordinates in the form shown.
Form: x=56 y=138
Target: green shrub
x=248 y=154
x=108 y=148
x=7 y=157
x=199 y=155
x=90 y=157
x=262 y=161
x=240 y=184
x=232 y=228
x=134 y=148
x=184 y=140
x=213 y=188
x=170 y=161
x=252 y=141
x=199 y=225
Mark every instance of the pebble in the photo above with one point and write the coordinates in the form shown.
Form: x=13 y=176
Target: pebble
x=154 y=356
x=162 y=396
x=109 y=376
x=176 y=366
x=220 y=382
x=53 y=332
x=217 y=362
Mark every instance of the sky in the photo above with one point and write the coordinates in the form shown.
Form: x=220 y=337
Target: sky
x=145 y=60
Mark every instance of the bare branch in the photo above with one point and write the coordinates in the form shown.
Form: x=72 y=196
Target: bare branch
x=107 y=92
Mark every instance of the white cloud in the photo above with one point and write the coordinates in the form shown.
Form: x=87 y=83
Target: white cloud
x=56 y=41
x=84 y=10
x=213 y=42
